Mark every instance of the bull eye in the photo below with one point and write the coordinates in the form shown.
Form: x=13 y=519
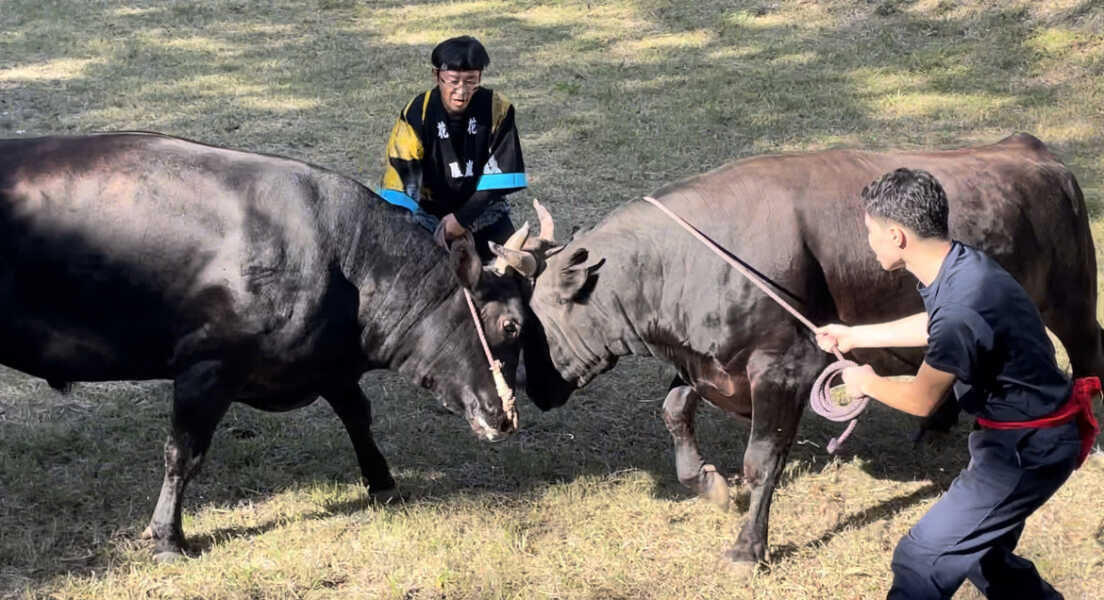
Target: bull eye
x=510 y=326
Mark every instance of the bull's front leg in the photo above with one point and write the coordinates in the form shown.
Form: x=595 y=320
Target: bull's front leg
x=780 y=384
x=201 y=395
x=355 y=411
x=679 y=410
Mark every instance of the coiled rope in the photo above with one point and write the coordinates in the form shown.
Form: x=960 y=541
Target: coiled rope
x=820 y=399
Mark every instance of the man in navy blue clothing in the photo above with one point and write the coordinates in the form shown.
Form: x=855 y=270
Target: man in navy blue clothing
x=987 y=342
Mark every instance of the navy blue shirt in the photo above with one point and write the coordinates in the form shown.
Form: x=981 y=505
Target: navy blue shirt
x=984 y=329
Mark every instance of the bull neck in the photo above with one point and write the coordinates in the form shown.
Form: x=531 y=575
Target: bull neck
x=374 y=235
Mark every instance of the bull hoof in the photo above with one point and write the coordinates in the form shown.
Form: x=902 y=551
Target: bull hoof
x=168 y=556
x=714 y=488
x=745 y=557
x=147 y=533
x=388 y=496
x=743 y=569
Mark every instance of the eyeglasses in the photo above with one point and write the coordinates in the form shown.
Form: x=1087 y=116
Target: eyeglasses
x=456 y=82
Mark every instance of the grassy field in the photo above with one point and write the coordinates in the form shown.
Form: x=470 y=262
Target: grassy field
x=615 y=98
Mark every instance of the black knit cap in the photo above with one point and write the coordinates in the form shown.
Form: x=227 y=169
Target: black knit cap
x=463 y=53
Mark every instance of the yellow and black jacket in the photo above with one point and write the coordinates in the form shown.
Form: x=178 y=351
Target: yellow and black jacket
x=443 y=164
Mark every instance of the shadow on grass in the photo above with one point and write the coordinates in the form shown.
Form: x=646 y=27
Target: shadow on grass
x=286 y=80
x=82 y=471
x=885 y=510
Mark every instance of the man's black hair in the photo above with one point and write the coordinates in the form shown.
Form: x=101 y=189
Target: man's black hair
x=911 y=197
x=463 y=53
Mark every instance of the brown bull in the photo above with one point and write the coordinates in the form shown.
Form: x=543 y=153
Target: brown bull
x=638 y=284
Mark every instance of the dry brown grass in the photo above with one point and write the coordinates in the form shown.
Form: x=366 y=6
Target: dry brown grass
x=615 y=98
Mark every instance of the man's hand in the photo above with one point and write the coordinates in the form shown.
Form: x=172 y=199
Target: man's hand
x=835 y=337
x=856 y=377
x=448 y=230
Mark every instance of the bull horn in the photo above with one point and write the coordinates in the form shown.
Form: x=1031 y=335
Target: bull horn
x=523 y=262
x=514 y=242
x=517 y=238
x=547 y=226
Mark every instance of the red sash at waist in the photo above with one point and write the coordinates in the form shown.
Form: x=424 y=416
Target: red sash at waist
x=1079 y=406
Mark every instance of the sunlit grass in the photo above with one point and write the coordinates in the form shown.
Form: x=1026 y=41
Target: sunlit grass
x=919 y=104
x=65 y=68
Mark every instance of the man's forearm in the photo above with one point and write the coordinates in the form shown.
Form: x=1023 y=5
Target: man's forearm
x=470 y=211
x=917 y=397
x=905 y=396
x=909 y=332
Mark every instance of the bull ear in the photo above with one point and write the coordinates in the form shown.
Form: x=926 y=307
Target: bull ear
x=577 y=281
x=464 y=261
x=577 y=258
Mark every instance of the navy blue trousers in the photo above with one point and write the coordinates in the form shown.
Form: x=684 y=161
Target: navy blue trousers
x=971 y=531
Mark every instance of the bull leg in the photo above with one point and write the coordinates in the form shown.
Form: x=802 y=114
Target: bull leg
x=355 y=411
x=679 y=410
x=778 y=392
x=201 y=395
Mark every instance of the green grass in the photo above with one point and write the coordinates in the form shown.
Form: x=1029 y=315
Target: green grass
x=615 y=98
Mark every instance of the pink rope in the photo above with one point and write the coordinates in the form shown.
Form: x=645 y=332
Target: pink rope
x=820 y=399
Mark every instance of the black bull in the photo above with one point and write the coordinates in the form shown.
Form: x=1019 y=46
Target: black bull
x=797 y=219
x=241 y=277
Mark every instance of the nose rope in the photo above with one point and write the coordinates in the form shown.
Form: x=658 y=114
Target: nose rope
x=509 y=404
x=820 y=398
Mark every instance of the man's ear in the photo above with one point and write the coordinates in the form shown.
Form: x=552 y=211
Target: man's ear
x=464 y=261
x=899 y=236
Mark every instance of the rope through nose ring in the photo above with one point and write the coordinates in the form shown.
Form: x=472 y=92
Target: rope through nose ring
x=509 y=403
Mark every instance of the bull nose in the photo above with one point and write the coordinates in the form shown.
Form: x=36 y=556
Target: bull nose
x=506 y=426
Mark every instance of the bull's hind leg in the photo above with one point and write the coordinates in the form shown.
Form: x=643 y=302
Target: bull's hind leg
x=780 y=384
x=201 y=395
x=1067 y=302
x=679 y=410
x=355 y=411
x=1080 y=334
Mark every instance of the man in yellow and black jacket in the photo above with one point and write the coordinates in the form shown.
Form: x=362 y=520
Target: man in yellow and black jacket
x=454 y=152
